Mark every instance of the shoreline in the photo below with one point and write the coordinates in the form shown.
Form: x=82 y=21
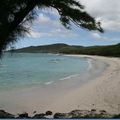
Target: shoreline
x=102 y=93
x=91 y=95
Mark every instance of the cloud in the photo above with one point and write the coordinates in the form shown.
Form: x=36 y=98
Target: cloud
x=107 y=11
x=100 y=37
x=103 y=37
x=43 y=19
x=49 y=11
x=49 y=26
x=96 y=35
x=58 y=33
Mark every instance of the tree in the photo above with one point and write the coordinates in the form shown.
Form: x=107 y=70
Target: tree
x=15 y=14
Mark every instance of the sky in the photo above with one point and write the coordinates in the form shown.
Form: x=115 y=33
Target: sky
x=47 y=28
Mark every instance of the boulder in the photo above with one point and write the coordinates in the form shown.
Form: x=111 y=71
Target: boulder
x=48 y=113
x=4 y=114
x=23 y=115
x=62 y=115
x=38 y=116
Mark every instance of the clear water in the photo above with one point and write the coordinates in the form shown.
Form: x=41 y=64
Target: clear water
x=31 y=69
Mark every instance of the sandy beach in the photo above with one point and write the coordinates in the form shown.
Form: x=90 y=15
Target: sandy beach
x=101 y=93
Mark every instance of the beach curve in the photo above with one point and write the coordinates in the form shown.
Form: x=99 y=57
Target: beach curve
x=102 y=93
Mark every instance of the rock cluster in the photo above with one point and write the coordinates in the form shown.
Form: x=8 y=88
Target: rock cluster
x=73 y=114
x=84 y=114
x=4 y=114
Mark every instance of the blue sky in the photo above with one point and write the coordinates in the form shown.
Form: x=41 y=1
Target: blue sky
x=47 y=28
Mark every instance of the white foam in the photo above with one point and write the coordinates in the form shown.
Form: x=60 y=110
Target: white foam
x=48 y=83
x=90 y=64
x=69 y=77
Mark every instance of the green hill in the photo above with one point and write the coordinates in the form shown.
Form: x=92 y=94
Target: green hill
x=111 y=50
x=54 y=48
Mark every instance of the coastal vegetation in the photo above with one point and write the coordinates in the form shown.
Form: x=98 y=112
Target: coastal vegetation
x=110 y=50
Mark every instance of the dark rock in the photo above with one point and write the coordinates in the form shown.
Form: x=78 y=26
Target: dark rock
x=79 y=113
x=4 y=114
x=49 y=113
x=116 y=116
x=38 y=116
x=93 y=110
x=62 y=115
x=103 y=112
x=89 y=114
x=23 y=115
x=73 y=114
x=34 y=112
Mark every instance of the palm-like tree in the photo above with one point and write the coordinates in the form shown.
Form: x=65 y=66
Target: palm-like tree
x=16 y=13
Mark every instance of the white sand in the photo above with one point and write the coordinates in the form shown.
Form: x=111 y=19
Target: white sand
x=100 y=93
x=103 y=93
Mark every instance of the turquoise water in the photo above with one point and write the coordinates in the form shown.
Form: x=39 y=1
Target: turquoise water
x=31 y=69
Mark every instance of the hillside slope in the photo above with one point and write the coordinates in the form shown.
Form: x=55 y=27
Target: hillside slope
x=111 y=50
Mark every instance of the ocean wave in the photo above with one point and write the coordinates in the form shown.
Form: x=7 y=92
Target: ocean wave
x=69 y=77
x=89 y=64
x=48 y=83
x=56 y=60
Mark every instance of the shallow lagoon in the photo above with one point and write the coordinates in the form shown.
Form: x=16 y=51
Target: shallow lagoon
x=31 y=69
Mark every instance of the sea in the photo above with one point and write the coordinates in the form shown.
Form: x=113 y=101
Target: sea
x=20 y=70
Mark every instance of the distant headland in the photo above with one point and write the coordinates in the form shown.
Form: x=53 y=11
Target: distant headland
x=109 y=50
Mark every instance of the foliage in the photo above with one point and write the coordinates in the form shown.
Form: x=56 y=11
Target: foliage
x=111 y=50
x=16 y=14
